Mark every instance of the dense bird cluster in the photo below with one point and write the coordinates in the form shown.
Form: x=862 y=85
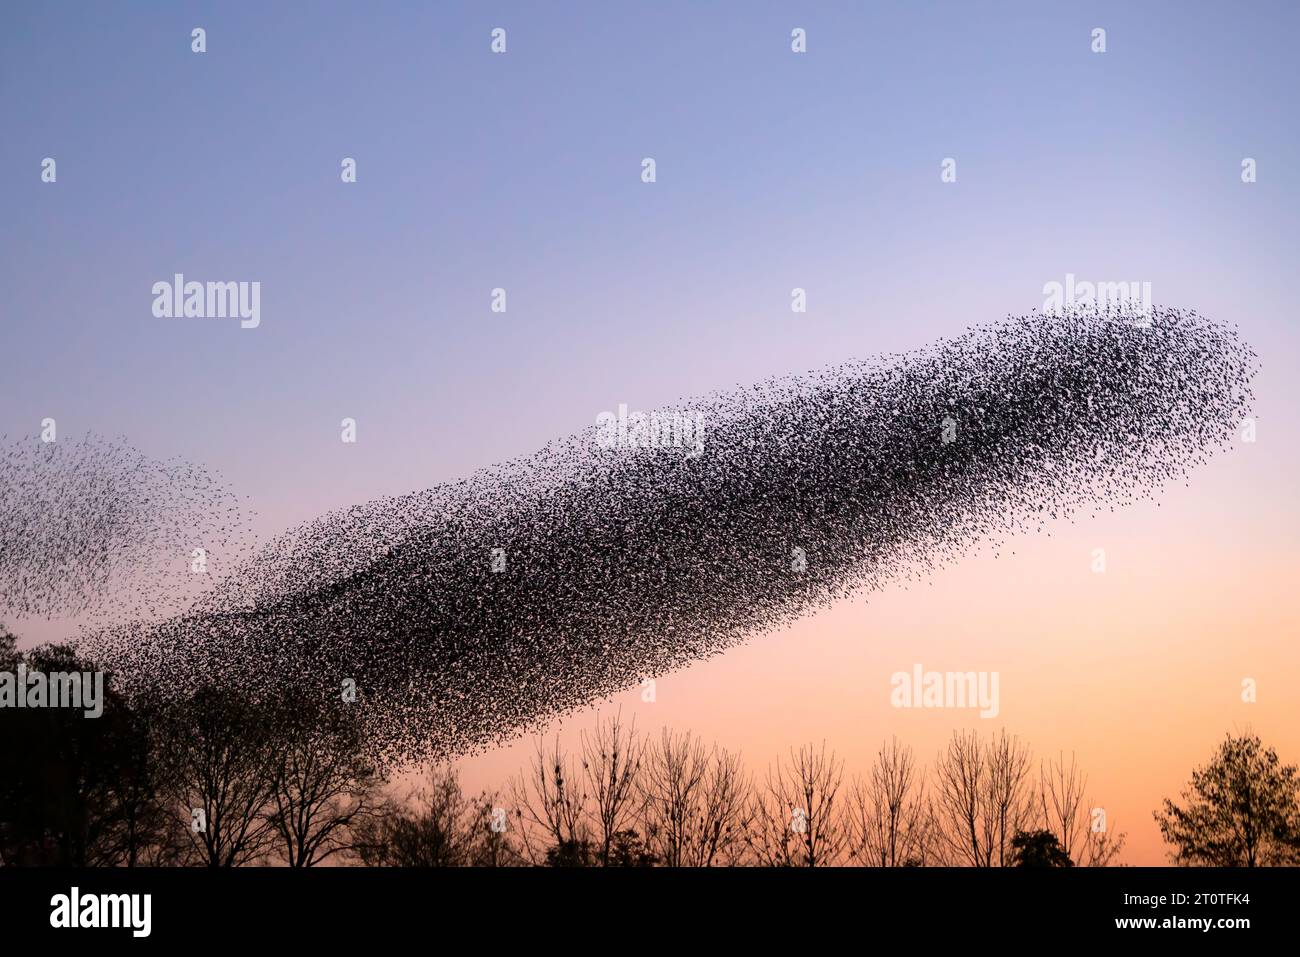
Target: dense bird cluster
x=467 y=613
x=92 y=526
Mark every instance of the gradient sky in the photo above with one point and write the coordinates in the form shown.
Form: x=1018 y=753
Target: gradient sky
x=775 y=170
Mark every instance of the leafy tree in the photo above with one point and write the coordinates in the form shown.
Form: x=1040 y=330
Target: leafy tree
x=626 y=849
x=1038 y=849
x=571 y=853
x=1240 y=810
x=74 y=790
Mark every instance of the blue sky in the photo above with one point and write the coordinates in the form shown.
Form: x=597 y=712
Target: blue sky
x=522 y=171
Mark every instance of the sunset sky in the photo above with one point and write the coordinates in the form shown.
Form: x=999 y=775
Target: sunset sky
x=775 y=170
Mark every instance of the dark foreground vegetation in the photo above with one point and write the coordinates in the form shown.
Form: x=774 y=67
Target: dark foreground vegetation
x=218 y=781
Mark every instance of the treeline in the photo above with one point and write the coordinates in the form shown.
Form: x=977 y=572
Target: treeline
x=221 y=781
x=624 y=799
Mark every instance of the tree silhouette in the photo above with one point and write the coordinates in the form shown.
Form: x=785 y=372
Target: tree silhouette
x=1241 y=810
x=496 y=845
x=1038 y=849
x=890 y=818
x=550 y=806
x=141 y=828
x=695 y=802
x=75 y=791
x=626 y=849
x=221 y=775
x=222 y=778
x=798 y=819
x=611 y=764
x=1063 y=811
x=572 y=853
x=435 y=828
x=983 y=797
x=323 y=788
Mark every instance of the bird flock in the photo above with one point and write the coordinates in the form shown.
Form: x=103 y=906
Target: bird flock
x=94 y=527
x=465 y=614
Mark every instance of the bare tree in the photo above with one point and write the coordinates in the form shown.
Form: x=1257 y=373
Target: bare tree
x=435 y=827
x=493 y=845
x=1080 y=829
x=695 y=802
x=1010 y=798
x=323 y=788
x=675 y=770
x=888 y=813
x=724 y=813
x=1100 y=846
x=959 y=774
x=611 y=764
x=1060 y=797
x=143 y=832
x=221 y=776
x=983 y=798
x=798 y=819
x=549 y=804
